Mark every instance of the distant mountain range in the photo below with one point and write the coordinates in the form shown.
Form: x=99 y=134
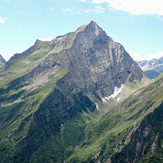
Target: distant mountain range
x=2 y=60
x=151 y=68
x=79 y=98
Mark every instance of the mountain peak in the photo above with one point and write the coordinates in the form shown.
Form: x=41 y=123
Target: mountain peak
x=91 y=26
x=91 y=23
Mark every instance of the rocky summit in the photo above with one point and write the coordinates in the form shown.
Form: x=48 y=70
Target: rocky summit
x=97 y=63
x=54 y=96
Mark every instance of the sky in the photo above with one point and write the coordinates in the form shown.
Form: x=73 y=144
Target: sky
x=136 y=24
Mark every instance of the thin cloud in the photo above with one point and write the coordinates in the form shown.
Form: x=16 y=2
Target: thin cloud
x=156 y=55
x=159 y=17
x=68 y=10
x=2 y=20
x=98 y=1
x=135 y=7
x=71 y=10
x=82 y=0
x=96 y=10
x=149 y=56
x=51 y=9
x=136 y=56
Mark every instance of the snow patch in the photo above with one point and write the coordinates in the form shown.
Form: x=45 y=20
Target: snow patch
x=97 y=107
x=118 y=99
x=115 y=93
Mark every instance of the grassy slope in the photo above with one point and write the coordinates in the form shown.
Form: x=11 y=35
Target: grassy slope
x=54 y=122
x=17 y=105
x=27 y=120
x=113 y=132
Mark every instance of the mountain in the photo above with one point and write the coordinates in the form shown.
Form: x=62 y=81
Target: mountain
x=51 y=93
x=151 y=68
x=2 y=60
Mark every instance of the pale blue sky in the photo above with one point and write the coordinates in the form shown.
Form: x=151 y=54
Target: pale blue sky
x=136 y=24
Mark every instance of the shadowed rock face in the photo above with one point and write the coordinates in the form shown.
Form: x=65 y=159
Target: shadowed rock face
x=2 y=60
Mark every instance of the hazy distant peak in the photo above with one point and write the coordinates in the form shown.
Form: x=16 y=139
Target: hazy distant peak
x=152 y=68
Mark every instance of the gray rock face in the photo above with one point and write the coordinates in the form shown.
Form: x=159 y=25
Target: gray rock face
x=2 y=60
x=97 y=63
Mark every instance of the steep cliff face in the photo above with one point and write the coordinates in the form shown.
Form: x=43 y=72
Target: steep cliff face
x=98 y=63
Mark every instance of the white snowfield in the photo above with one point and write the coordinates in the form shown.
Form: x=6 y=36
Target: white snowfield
x=115 y=93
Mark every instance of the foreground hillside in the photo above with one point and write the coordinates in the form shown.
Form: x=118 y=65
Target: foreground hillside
x=130 y=132
x=53 y=93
